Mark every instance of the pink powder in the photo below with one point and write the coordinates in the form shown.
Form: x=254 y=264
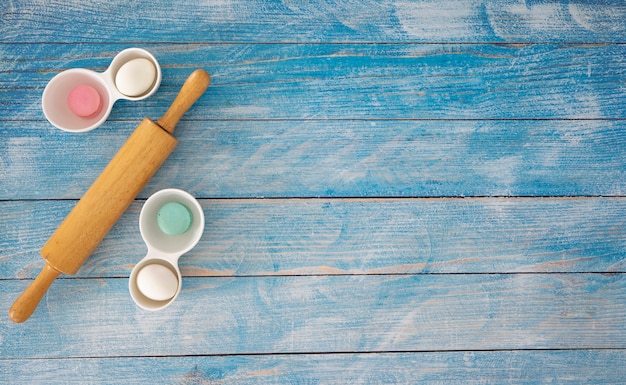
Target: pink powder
x=84 y=101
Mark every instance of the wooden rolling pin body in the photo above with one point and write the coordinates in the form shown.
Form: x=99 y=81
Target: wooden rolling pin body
x=109 y=196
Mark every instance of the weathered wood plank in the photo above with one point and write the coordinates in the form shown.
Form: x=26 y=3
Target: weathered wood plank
x=373 y=236
x=314 y=21
x=348 y=81
x=463 y=368
x=248 y=159
x=324 y=314
x=387 y=101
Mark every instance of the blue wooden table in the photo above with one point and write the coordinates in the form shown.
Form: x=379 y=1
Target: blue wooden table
x=394 y=192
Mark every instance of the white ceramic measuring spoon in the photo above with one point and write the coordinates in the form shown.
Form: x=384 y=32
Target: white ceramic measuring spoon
x=156 y=280
x=54 y=100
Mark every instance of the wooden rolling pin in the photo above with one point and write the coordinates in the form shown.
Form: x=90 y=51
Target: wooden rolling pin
x=109 y=196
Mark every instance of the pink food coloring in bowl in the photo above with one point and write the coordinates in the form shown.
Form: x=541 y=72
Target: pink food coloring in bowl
x=84 y=101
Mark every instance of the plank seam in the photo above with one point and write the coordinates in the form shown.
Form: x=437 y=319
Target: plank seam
x=320 y=353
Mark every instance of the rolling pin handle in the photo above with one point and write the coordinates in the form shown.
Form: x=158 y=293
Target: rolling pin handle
x=25 y=304
x=192 y=89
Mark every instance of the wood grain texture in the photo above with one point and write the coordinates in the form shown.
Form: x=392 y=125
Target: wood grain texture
x=338 y=158
x=315 y=21
x=511 y=367
x=395 y=192
x=364 y=81
x=352 y=237
x=325 y=314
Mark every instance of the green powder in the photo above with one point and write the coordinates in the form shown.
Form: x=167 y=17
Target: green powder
x=174 y=218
